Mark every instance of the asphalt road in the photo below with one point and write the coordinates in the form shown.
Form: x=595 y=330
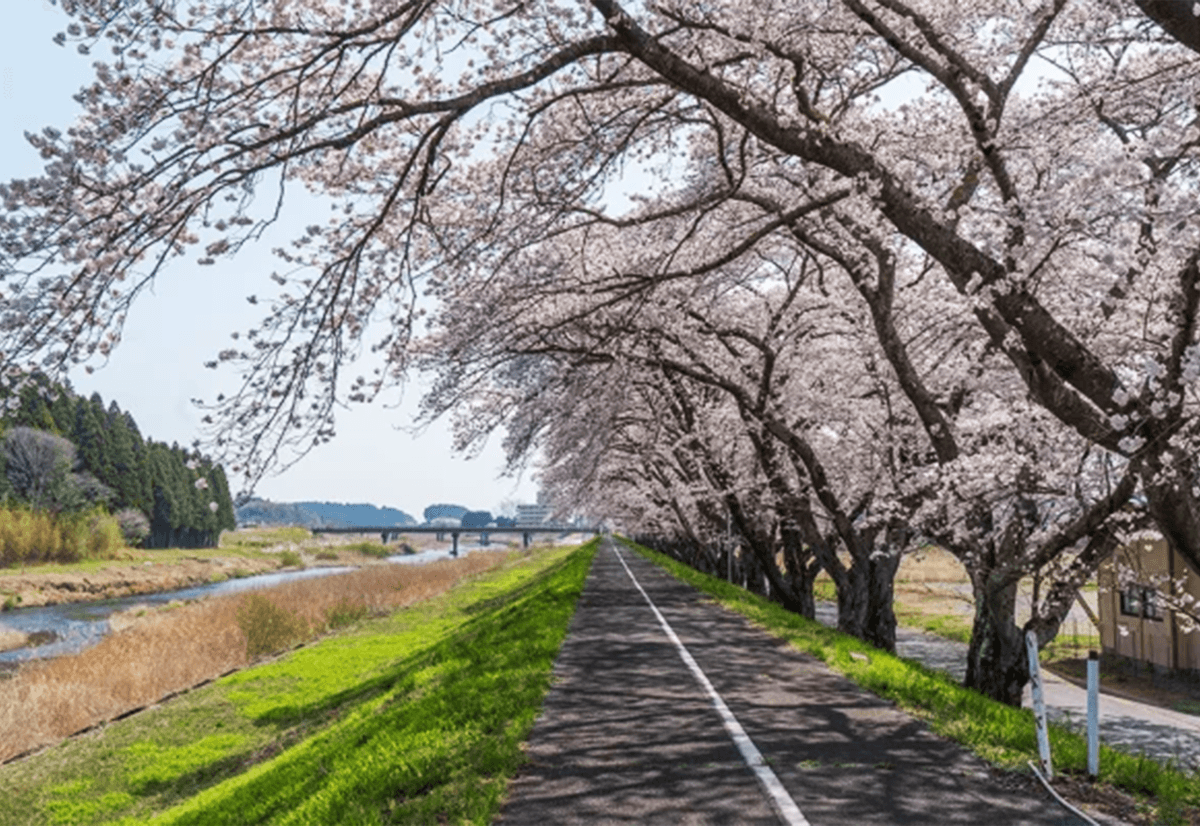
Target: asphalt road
x=1138 y=728
x=629 y=735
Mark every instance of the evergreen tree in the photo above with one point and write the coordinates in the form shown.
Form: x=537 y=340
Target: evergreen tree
x=91 y=439
x=165 y=513
x=142 y=485
x=175 y=488
x=62 y=408
x=226 y=518
x=127 y=479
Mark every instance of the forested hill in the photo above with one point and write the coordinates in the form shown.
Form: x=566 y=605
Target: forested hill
x=320 y=514
x=182 y=493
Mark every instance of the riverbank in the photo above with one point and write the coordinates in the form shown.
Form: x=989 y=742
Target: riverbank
x=161 y=650
x=135 y=572
x=400 y=714
x=123 y=578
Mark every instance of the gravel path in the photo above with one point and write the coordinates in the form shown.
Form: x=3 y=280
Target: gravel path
x=1157 y=732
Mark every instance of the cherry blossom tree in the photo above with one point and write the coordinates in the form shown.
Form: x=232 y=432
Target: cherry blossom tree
x=1006 y=487
x=1034 y=161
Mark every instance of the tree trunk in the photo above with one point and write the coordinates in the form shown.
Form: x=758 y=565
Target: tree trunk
x=880 y=628
x=996 y=661
x=853 y=601
x=802 y=570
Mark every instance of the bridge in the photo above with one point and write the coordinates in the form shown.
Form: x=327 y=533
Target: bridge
x=394 y=531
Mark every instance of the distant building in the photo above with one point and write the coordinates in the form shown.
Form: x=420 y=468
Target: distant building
x=534 y=514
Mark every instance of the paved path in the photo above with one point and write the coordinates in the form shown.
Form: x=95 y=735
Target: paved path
x=1137 y=727
x=628 y=735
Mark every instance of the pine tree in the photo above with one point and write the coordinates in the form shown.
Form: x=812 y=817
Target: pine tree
x=142 y=484
x=91 y=439
x=165 y=513
x=126 y=479
x=226 y=518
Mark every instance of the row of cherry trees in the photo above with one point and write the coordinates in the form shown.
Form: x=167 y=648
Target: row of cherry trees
x=888 y=271
x=764 y=400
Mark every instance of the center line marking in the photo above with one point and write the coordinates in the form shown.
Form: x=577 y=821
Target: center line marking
x=784 y=805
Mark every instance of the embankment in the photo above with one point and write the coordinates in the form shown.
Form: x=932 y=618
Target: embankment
x=20 y=589
x=412 y=716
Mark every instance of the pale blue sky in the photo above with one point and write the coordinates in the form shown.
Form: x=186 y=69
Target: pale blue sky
x=170 y=334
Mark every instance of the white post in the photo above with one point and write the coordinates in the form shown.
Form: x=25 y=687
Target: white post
x=729 y=543
x=1039 y=704
x=1093 y=714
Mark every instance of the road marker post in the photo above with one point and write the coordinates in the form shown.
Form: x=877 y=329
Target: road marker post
x=1039 y=704
x=1093 y=714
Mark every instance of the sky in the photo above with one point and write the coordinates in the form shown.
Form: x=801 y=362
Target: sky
x=159 y=366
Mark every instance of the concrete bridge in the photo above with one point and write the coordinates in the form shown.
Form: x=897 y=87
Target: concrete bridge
x=526 y=531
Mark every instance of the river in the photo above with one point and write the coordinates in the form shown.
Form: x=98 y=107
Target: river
x=57 y=630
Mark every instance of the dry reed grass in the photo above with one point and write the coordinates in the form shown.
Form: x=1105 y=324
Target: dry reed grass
x=931 y=564
x=173 y=648
x=11 y=639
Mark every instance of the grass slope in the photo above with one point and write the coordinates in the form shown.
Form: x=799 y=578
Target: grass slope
x=413 y=718
x=1000 y=734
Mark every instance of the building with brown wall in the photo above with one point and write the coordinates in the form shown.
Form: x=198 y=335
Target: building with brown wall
x=1133 y=621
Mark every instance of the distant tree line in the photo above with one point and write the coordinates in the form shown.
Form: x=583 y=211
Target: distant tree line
x=103 y=459
x=319 y=514
x=443 y=511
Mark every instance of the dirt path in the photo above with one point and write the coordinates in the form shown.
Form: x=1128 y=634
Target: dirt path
x=628 y=735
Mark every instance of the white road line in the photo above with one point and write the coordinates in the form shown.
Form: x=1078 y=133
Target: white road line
x=784 y=805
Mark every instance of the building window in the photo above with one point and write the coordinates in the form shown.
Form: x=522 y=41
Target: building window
x=1150 y=605
x=1131 y=601
x=1137 y=601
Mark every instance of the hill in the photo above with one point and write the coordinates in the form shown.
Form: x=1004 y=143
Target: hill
x=320 y=514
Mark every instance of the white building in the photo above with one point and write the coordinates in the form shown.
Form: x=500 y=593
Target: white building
x=534 y=514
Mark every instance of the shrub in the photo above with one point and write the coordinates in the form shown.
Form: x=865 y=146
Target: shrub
x=327 y=555
x=30 y=537
x=371 y=549
x=290 y=559
x=268 y=628
x=346 y=612
x=135 y=527
x=104 y=535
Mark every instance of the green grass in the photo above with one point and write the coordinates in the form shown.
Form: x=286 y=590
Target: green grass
x=254 y=538
x=1000 y=734
x=373 y=549
x=290 y=559
x=944 y=625
x=416 y=717
x=1070 y=646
